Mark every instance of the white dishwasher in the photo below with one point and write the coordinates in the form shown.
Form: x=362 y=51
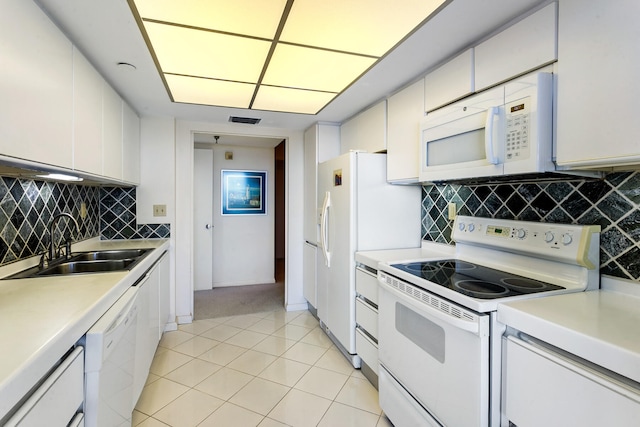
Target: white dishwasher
x=109 y=364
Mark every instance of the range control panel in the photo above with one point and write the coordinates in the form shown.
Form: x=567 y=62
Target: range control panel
x=567 y=241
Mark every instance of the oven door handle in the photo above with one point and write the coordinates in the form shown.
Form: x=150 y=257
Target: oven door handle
x=469 y=325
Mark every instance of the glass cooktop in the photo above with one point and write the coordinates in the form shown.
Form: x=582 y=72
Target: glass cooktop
x=474 y=280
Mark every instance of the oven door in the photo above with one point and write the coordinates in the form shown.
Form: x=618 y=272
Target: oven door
x=437 y=351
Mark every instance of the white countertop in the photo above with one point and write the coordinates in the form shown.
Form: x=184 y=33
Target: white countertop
x=41 y=318
x=600 y=326
x=428 y=250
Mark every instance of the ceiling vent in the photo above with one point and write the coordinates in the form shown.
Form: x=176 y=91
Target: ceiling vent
x=245 y=120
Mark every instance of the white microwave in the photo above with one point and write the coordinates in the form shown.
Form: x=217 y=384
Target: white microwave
x=506 y=130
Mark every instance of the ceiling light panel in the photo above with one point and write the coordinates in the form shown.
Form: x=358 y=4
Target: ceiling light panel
x=306 y=68
x=291 y=100
x=193 y=90
x=256 y=18
x=370 y=27
x=206 y=54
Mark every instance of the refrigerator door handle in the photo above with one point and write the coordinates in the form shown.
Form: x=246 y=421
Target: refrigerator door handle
x=324 y=219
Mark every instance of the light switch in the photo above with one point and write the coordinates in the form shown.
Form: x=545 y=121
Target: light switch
x=159 y=210
x=452 y=208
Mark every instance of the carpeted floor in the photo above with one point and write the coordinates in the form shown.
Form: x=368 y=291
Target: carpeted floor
x=235 y=300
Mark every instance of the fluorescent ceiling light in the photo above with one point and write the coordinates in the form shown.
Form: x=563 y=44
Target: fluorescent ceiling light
x=278 y=55
x=60 y=177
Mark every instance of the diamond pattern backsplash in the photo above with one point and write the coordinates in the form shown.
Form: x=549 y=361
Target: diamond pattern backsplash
x=612 y=203
x=28 y=206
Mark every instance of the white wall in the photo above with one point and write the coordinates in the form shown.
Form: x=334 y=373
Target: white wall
x=243 y=245
x=157 y=185
x=294 y=299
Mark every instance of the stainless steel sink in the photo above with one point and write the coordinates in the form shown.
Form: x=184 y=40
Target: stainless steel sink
x=88 y=262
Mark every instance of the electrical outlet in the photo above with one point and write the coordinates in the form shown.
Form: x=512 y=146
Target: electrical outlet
x=451 y=210
x=159 y=210
x=83 y=210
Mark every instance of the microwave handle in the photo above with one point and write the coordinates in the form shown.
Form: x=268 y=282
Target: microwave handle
x=490 y=137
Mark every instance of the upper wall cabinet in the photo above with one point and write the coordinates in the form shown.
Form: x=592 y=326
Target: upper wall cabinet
x=525 y=46
x=35 y=86
x=449 y=82
x=87 y=116
x=111 y=133
x=598 y=69
x=130 y=145
x=367 y=131
x=405 y=110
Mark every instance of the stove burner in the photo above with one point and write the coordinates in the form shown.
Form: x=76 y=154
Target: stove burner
x=419 y=267
x=524 y=283
x=480 y=288
x=457 y=265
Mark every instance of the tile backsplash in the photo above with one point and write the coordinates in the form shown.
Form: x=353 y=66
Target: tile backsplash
x=611 y=202
x=28 y=206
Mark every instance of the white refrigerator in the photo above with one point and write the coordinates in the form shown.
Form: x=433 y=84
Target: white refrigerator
x=358 y=211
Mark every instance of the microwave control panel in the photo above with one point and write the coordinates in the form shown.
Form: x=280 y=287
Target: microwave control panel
x=517 y=116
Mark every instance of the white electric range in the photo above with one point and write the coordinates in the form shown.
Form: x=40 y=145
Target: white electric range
x=439 y=337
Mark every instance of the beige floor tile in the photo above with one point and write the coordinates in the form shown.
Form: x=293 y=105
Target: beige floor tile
x=167 y=361
x=306 y=320
x=340 y=415
x=284 y=371
x=196 y=346
x=252 y=362
x=260 y=395
x=268 y=422
x=317 y=337
x=198 y=327
x=152 y=422
x=305 y=353
x=222 y=354
x=224 y=383
x=137 y=417
x=335 y=361
x=157 y=395
x=292 y=332
x=384 y=421
x=242 y=322
x=221 y=332
x=267 y=326
x=300 y=409
x=230 y=415
x=274 y=345
x=189 y=409
x=322 y=382
x=357 y=373
x=151 y=378
x=246 y=339
x=193 y=372
x=359 y=394
x=173 y=338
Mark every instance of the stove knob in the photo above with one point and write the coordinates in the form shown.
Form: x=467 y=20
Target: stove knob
x=521 y=233
x=471 y=227
x=566 y=239
x=548 y=237
x=461 y=226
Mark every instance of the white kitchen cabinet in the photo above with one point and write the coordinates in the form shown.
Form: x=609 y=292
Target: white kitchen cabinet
x=449 y=82
x=598 y=69
x=524 y=46
x=367 y=131
x=321 y=142
x=163 y=294
x=111 y=133
x=367 y=321
x=130 y=145
x=405 y=111
x=35 y=86
x=87 y=116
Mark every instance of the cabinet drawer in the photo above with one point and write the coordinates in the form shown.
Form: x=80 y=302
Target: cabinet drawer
x=367 y=350
x=367 y=284
x=56 y=401
x=367 y=317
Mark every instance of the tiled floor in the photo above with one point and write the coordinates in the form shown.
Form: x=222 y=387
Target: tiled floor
x=265 y=369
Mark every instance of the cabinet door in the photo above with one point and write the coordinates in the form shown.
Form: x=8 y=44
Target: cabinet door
x=36 y=86
x=164 y=292
x=310 y=184
x=309 y=289
x=367 y=131
x=449 y=82
x=598 y=68
x=525 y=46
x=130 y=145
x=405 y=112
x=87 y=116
x=111 y=133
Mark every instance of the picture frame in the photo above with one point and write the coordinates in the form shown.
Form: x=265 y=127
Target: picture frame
x=244 y=192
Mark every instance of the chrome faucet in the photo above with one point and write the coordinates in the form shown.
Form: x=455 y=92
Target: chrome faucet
x=52 y=229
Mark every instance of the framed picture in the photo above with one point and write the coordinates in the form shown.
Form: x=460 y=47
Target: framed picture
x=244 y=192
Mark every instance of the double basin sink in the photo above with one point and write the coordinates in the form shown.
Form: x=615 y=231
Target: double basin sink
x=87 y=262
